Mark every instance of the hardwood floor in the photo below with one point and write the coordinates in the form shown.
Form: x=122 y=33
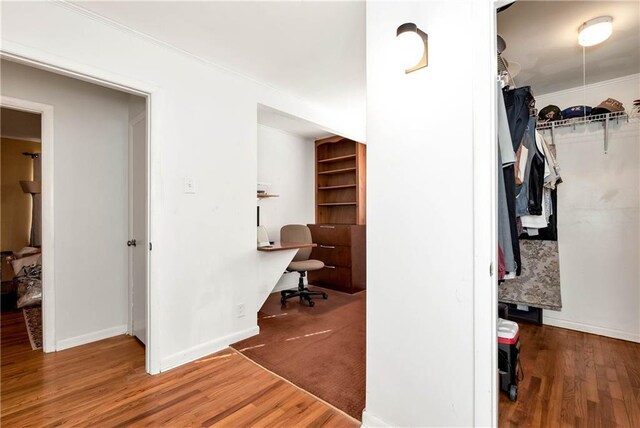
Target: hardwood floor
x=574 y=379
x=571 y=379
x=104 y=384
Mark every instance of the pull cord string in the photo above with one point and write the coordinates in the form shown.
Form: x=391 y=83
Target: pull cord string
x=584 y=82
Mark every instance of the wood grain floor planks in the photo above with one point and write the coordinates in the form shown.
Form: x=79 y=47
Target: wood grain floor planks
x=574 y=379
x=104 y=384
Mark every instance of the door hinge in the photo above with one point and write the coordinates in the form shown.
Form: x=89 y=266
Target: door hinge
x=150 y=246
x=491 y=269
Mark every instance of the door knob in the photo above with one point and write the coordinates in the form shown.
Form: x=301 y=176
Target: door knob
x=131 y=243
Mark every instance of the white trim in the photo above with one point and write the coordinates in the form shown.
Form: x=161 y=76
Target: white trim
x=31 y=140
x=83 y=339
x=593 y=329
x=485 y=295
x=132 y=122
x=205 y=349
x=48 y=258
x=369 y=420
x=45 y=61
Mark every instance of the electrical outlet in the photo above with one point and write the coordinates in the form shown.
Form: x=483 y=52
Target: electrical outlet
x=240 y=310
x=189 y=185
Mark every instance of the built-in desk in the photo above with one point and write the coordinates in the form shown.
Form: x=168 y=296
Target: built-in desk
x=281 y=246
x=273 y=261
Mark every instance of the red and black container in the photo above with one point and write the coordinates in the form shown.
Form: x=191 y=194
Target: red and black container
x=509 y=357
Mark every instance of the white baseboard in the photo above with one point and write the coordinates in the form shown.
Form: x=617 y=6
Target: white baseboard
x=91 y=337
x=368 y=420
x=204 y=349
x=587 y=328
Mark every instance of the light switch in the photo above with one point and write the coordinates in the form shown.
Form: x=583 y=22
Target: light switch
x=189 y=185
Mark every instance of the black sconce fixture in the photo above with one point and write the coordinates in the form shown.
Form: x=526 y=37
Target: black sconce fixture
x=414 y=47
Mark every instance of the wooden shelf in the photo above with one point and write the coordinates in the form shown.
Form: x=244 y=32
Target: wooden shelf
x=337 y=158
x=340 y=181
x=337 y=171
x=342 y=186
x=333 y=204
x=266 y=195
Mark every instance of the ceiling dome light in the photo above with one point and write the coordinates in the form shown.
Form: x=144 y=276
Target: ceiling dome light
x=595 y=31
x=411 y=47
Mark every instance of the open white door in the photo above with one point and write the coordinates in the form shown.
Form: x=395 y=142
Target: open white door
x=139 y=242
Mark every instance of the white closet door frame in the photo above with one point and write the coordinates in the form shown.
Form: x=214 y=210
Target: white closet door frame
x=485 y=224
x=38 y=59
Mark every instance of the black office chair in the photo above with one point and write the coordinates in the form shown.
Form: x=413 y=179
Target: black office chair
x=301 y=263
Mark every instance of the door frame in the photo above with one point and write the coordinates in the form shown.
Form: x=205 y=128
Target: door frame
x=48 y=266
x=21 y=54
x=485 y=219
x=132 y=122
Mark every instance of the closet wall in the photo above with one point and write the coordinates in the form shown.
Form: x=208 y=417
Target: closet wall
x=598 y=216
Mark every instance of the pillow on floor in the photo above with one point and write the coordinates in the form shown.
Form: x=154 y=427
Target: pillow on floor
x=18 y=264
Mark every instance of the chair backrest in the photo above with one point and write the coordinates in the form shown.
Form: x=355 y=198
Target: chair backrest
x=297 y=233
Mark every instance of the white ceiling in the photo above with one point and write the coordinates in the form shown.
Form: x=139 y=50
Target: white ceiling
x=20 y=125
x=543 y=37
x=314 y=50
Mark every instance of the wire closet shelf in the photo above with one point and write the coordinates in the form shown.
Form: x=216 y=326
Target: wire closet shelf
x=605 y=119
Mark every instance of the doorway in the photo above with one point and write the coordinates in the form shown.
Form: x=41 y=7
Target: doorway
x=98 y=205
x=21 y=216
x=573 y=308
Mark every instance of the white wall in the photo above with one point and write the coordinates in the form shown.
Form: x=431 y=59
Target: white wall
x=420 y=216
x=203 y=125
x=598 y=220
x=90 y=197
x=287 y=162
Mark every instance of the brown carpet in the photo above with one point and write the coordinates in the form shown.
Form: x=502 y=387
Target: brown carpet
x=33 y=320
x=320 y=349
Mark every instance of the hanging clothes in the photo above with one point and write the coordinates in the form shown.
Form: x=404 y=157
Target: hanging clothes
x=504 y=134
x=517 y=103
x=507 y=228
x=522 y=191
x=510 y=193
x=504 y=227
x=536 y=182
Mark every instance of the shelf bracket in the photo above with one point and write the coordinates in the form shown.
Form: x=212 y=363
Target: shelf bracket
x=605 y=124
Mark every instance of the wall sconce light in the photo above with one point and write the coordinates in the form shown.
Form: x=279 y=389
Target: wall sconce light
x=595 y=31
x=413 y=46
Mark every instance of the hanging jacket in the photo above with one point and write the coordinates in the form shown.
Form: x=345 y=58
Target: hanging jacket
x=517 y=102
x=536 y=182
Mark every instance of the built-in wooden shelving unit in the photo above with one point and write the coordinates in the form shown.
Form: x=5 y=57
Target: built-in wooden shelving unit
x=340 y=181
